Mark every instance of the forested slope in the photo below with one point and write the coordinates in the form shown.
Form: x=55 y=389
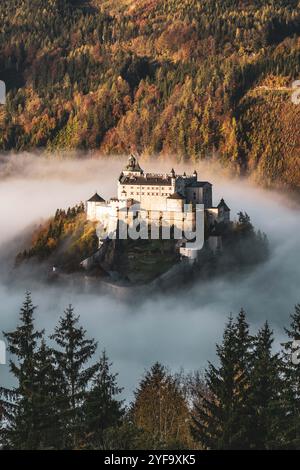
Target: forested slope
x=195 y=79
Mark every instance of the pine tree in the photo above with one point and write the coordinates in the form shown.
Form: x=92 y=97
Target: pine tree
x=102 y=409
x=264 y=395
x=291 y=360
x=244 y=347
x=73 y=352
x=50 y=400
x=220 y=422
x=244 y=225
x=7 y=409
x=22 y=432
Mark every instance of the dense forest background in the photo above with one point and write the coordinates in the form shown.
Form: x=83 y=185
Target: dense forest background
x=195 y=79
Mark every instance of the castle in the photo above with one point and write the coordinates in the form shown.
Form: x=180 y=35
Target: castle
x=160 y=197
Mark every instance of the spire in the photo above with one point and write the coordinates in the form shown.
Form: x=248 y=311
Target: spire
x=132 y=160
x=133 y=165
x=96 y=198
x=223 y=204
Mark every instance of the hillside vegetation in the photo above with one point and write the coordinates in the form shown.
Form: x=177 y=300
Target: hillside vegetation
x=64 y=240
x=68 y=238
x=195 y=79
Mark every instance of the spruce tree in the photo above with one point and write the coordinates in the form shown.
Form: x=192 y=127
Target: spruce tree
x=102 y=408
x=50 y=400
x=264 y=394
x=221 y=412
x=71 y=357
x=291 y=360
x=244 y=348
x=7 y=409
x=22 y=432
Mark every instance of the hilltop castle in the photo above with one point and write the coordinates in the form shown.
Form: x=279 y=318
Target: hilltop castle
x=159 y=197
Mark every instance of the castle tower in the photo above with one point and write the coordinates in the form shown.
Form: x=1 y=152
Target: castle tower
x=223 y=211
x=132 y=167
x=91 y=206
x=173 y=178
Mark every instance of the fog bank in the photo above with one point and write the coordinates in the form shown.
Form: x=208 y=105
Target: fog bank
x=178 y=330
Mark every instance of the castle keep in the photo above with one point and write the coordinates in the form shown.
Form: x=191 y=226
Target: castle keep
x=166 y=199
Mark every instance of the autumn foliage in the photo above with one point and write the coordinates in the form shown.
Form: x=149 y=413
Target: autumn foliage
x=209 y=79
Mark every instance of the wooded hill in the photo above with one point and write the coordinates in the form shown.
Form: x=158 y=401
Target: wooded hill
x=68 y=238
x=194 y=79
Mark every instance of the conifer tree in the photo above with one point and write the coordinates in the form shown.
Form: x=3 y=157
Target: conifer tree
x=220 y=422
x=264 y=394
x=7 y=409
x=291 y=360
x=244 y=224
x=22 y=432
x=50 y=400
x=102 y=408
x=244 y=348
x=72 y=355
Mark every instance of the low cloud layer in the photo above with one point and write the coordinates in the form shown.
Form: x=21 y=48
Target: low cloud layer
x=179 y=330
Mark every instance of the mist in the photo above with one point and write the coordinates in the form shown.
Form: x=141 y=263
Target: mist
x=178 y=330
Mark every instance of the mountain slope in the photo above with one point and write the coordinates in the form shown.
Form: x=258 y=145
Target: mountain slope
x=193 y=79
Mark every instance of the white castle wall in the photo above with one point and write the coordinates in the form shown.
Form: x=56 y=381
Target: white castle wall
x=154 y=205
x=104 y=213
x=190 y=253
x=150 y=197
x=175 y=205
x=108 y=215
